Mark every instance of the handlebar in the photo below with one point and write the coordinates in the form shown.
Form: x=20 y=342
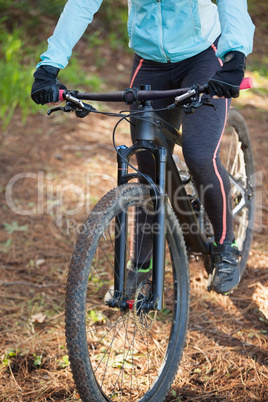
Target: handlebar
x=188 y=99
x=131 y=95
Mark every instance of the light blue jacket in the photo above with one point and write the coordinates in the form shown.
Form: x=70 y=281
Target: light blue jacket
x=160 y=30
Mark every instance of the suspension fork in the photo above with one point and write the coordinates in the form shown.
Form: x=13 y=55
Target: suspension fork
x=121 y=229
x=160 y=236
x=158 y=227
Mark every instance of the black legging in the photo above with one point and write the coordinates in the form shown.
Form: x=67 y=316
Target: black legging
x=201 y=132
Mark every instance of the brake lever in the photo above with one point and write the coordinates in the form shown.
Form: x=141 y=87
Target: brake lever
x=191 y=108
x=73 y=105
x=67 y=108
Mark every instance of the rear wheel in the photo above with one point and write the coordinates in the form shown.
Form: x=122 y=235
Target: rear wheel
x=124 y=354
x=237 y=157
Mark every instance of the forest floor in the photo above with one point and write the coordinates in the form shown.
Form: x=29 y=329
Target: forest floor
x=53 y=170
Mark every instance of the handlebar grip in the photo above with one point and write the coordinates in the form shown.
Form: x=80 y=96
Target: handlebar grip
x=247 y=83
x=61 y=92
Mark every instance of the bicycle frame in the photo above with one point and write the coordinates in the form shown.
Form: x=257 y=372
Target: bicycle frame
x=150 y=137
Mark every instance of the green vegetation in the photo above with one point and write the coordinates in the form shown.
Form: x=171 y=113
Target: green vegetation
x=5 y=246
x=22 y=41
x=37 y=360
x=14 y=227
x=64 y=361
x=258 y=61
x=7 y=357
x=15 y=77
x=26 y=24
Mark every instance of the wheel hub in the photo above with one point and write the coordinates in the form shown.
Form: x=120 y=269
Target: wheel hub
x=144 y=314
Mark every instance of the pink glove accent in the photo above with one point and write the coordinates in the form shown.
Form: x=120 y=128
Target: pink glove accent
x=246 y=83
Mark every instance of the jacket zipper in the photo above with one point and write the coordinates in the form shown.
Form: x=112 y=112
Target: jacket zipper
x=161 y=31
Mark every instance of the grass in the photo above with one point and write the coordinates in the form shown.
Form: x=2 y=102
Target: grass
x=16 y=77
x=19 y=52
x=15 y=81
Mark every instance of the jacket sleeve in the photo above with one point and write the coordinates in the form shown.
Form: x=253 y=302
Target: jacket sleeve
x=237 y=29
x=76 y=16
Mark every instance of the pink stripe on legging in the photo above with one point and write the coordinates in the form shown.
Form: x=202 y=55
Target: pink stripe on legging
x=224 y=201
x=136 y=72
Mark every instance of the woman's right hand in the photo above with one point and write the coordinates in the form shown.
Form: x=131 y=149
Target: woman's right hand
x=46 y=86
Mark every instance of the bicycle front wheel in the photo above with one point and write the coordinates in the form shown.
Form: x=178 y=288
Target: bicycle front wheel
x=126 y=355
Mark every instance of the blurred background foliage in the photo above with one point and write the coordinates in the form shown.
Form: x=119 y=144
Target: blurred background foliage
x=24 y=27
x=26 y=24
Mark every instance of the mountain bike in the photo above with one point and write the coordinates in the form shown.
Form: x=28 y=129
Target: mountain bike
x=127 y=344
